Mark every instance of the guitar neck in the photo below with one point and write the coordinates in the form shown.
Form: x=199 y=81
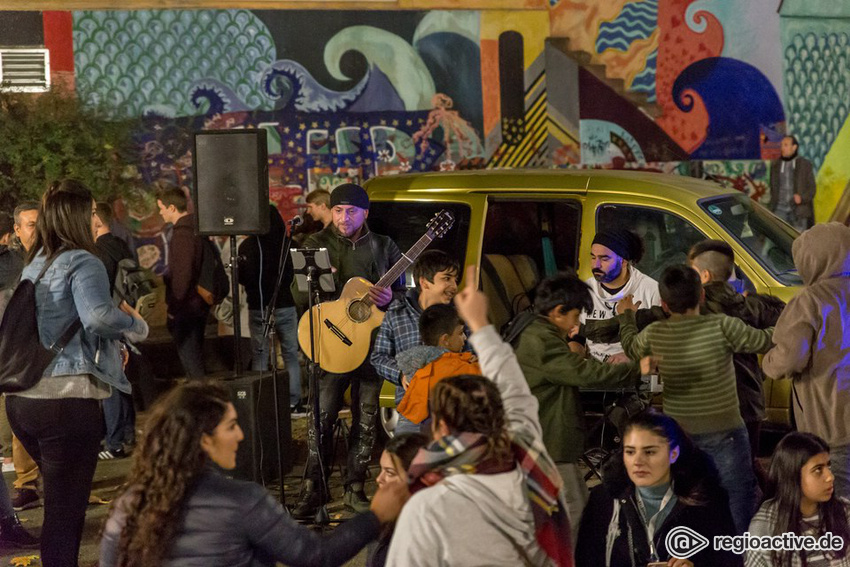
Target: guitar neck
x=406 y=261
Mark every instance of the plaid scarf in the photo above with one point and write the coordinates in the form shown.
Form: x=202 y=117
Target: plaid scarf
x=464 y=454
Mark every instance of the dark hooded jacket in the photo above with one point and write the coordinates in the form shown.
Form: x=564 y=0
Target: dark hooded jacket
x=811 y=336
x=260 y=266
x=759 y=311
x=702 y=505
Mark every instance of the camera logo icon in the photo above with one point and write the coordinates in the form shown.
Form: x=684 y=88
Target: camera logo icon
x=683 y=542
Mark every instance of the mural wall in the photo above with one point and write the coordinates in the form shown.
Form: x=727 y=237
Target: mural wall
x=816 y=63
x=346 y=95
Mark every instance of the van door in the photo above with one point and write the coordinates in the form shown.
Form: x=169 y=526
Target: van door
x=524 y=240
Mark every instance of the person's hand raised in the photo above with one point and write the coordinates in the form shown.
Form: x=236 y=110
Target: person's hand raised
x=471 y=303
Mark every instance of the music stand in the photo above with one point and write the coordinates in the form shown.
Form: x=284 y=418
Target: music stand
x=313 y=274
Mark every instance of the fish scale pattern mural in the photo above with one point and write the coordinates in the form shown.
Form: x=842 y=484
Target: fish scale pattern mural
x=166 y=61
x=817 y=89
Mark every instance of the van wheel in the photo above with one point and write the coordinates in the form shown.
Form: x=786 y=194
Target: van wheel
x=389 y=420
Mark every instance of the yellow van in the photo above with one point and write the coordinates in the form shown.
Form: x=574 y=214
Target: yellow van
x=518 y=226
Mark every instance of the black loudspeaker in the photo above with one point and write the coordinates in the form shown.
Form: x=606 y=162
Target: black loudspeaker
x=231 y=189
x=253 y=398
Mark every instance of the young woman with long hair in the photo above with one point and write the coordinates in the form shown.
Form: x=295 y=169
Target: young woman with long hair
x=395 y=460
x=660 y=480
x=59 y=420
x=177 y=508
x=801 y=499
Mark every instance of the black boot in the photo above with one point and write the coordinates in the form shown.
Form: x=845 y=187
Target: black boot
x=13 y=533
x=309 y=501
x=355 y=498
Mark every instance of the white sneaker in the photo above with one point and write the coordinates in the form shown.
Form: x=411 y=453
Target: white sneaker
x=8 y=467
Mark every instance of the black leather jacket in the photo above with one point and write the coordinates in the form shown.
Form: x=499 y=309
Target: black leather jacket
x=239 y=524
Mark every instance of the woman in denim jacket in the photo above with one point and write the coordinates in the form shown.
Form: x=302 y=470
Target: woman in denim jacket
x=59 y=420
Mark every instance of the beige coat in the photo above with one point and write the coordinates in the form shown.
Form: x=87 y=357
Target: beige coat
x=812 y=336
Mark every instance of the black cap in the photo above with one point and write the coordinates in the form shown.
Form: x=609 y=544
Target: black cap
x=350 y=194
x=623 y=243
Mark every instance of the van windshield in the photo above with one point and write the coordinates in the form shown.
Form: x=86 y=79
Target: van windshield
x=766 y=237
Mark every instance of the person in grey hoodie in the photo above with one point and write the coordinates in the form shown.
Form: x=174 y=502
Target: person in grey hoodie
x=811 y=343
x=483 y=509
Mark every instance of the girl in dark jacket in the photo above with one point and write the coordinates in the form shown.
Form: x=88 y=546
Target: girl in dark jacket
x=179 y=509
x=659 y=482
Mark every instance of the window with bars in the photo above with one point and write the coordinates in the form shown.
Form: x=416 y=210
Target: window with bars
x=25 y=70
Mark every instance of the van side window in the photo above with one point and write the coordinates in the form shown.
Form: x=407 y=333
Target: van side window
x=666 y=237
x=524 y=241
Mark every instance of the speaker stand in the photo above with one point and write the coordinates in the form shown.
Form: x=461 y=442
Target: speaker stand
x=237 y=319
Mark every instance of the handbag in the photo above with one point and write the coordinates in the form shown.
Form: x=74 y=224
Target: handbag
x=23 y=359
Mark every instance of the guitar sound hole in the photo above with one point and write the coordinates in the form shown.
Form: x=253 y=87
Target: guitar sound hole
x=359 y=311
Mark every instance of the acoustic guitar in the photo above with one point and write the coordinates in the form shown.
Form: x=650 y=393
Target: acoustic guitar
x=344 y=327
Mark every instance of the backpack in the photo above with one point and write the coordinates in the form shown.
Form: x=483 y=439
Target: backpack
x=213 y=283
x=134 y=284
x=23 y=359
x=514 y=328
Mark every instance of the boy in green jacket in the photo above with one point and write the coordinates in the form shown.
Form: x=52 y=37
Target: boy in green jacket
x=555 y=372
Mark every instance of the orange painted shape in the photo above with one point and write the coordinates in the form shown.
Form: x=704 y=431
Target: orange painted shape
x=492 y=99
x=678 y=47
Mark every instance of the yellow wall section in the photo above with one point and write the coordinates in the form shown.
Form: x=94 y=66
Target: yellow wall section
x=833 y=175
x=533 y=25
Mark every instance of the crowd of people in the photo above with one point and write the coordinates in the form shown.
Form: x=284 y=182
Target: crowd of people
x=484 y=468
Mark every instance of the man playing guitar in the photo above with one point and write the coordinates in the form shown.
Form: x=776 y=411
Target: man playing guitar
x=354 y=251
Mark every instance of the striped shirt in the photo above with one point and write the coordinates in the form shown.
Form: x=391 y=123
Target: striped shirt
x=696 y=365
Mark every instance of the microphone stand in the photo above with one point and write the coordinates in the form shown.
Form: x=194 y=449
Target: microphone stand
x=268 y=333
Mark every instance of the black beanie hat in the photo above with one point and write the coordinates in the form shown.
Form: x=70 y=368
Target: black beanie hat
x=350 y=194
x=623 y=243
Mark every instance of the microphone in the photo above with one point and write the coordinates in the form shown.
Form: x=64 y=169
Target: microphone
x=297 y=220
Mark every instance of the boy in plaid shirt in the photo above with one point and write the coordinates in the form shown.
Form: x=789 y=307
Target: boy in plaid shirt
x=436 y=275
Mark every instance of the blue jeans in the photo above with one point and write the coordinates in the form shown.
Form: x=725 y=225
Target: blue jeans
x=286 y=327
x=188 y=336
x=120 y=417
x=404 y=425
x=730 y=450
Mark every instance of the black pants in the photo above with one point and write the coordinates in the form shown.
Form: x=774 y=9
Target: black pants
x=63 y=437
x=365 y=389
x=188 y=336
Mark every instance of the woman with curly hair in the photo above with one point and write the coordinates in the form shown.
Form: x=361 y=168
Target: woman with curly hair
x=179 y=509
x=660 y=480
x=801 y=499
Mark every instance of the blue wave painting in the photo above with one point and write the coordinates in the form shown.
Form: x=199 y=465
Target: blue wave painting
x=636 y=21
x=740 y=101
x=644 y=82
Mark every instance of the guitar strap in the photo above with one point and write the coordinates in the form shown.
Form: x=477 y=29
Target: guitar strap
x=378 y=271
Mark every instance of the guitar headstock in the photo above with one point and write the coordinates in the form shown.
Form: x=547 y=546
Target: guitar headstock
x=440 y=224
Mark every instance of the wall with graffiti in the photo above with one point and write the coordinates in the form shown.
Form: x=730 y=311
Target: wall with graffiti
x=346 y=95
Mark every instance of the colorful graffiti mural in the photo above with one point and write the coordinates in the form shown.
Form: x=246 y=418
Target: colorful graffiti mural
x=376 y=92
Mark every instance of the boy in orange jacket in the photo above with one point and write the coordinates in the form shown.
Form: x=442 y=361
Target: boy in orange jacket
x=439 y=357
